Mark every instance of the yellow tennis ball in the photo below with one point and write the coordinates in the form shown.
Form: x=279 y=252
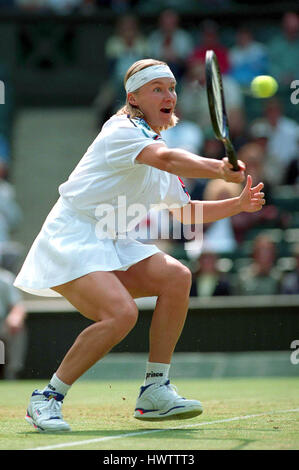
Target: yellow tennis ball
x=263 y=86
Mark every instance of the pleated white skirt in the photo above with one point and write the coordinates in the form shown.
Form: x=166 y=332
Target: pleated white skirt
x=67 y=248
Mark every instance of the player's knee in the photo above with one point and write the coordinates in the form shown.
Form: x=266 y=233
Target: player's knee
x=182 y=278
x=186 y=274
x=126 y=317
x=129 y=314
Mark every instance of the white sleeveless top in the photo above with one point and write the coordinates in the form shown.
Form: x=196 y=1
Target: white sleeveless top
x=104 y=198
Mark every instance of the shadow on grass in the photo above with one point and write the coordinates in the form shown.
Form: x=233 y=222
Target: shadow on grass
x=147 y=434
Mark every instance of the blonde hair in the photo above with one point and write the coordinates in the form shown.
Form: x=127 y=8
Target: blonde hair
x=134 y=111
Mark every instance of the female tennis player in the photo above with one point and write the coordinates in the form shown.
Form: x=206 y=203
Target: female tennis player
x=100 y=272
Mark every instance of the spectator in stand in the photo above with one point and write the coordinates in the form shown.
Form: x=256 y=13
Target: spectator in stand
x=122 y=49
x=219 y=237
x=6 y=115
x=254 y=158
x=10 y=217
x=290 y=280
x=213 y=148
x=248 y=58
x=193 y=96
x=259 y=132
x=282 y=145
x=210 y=40
x=12 y=326
x=283 y=51
x=238 y=127
x=261 y=277
x=10 y=212
x=171 y=43
x=207 y=280
x=292 y=171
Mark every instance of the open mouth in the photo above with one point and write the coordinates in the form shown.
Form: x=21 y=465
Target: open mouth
x=166 y=110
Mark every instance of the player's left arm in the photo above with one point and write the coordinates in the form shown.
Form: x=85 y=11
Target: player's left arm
x=250 y=200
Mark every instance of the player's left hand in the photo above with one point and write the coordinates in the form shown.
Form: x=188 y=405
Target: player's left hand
x=228 y=173
x=251 y=198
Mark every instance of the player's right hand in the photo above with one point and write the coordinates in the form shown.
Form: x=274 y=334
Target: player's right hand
x=228 y=173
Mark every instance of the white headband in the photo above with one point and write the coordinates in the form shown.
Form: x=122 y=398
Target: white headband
x=146 y=75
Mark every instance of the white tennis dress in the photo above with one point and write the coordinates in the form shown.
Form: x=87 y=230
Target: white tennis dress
x=104 y=198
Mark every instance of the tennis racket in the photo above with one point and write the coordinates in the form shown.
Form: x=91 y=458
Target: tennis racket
x=217 y=106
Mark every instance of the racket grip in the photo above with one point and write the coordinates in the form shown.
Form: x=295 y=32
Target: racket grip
x=231 y=155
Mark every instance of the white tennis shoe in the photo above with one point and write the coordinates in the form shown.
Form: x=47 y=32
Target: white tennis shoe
x=44 y=412
x=161 y=402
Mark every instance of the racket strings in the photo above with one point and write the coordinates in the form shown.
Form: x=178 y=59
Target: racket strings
x=217 y=97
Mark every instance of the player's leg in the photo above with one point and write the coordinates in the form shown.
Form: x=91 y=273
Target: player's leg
x=165 y=277
x=169 y=280
x=101 y=297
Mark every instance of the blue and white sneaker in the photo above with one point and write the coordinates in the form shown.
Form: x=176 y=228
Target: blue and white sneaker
x=157 y=402
x=44 y=412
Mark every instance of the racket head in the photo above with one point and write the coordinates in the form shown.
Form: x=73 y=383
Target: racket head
x=216 y=96
x=216 y=102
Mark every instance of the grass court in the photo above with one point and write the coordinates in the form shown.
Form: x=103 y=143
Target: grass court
x=239 y=414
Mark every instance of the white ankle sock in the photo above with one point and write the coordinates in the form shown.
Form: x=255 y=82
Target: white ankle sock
x=156 y=372
x=57 y=385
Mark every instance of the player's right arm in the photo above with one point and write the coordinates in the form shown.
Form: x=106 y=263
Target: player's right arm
x=182 y=163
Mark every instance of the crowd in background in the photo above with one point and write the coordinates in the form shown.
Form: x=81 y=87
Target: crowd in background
x=13 y=329
x=247 y=58
x=68 y=6
x=269 y=146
